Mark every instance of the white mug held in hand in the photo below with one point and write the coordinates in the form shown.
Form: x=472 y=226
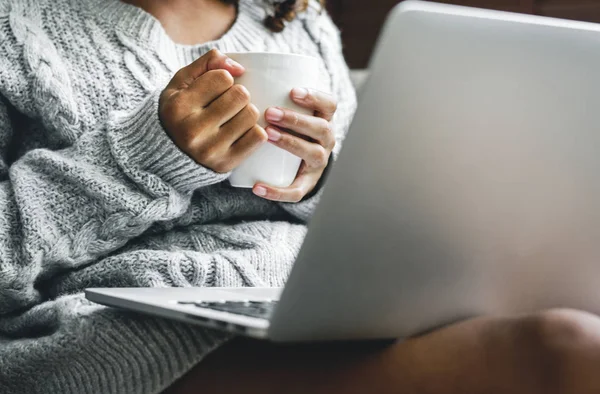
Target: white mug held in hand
x=270 y=77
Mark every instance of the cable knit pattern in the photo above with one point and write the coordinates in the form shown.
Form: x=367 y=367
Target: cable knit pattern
x=51 y=90
x=93 y=192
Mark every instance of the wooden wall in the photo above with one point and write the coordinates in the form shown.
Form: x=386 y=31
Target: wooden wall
x=360 y=20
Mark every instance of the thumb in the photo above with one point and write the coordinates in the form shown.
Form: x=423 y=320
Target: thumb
x=213 y=60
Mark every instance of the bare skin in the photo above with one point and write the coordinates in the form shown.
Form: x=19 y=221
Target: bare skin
x=190 y=22
x=554 y=352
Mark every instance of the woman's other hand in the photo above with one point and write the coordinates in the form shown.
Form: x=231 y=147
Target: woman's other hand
x=208 y=116
x=309 y=137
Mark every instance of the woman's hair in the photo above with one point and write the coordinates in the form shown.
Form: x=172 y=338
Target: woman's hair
x=283 y=11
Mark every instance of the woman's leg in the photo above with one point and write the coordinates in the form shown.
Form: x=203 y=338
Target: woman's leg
x=552 y=352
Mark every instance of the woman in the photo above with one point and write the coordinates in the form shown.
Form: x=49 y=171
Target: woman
x=118 y=127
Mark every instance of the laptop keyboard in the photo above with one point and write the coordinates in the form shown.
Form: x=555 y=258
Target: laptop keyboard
x=256 y=309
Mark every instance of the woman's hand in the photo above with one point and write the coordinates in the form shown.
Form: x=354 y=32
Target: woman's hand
x=308 y=137
x=208 y=116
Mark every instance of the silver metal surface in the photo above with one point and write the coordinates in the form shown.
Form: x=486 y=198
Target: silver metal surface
x=469 y=182
x=164 y=302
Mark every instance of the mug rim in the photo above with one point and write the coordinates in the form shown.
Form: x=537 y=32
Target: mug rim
x=275 y=54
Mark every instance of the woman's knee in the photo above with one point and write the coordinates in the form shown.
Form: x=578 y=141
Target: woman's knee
x=556 y=346
x=557 y=333
x=558 y=327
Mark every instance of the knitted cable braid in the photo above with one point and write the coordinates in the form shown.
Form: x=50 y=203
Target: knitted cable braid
x=93 y=192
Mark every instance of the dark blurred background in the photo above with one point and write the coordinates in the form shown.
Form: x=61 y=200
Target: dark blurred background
x=360 y=20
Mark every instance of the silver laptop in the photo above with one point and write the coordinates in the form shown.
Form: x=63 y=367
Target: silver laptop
x=469 y=184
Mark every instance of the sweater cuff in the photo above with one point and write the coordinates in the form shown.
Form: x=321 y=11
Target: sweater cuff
x=140 y=143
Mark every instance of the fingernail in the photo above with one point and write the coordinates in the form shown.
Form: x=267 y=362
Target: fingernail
x=299 y=93
x=273 y=134
x=260 y=191
x=233 y=63
x=274 y=114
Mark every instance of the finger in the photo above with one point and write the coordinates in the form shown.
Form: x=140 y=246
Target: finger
x=228 y=105
x=318 y=129
x=212 y=60
x=237 y=126
x=247 y=144
x=323 y=103
x=293 y=193
x=207 y=88
x=313 y=154
x=223 y=156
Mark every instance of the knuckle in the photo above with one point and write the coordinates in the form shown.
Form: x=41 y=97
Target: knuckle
x=210 y=118
x=221 y=77
x=291 y=117
x=253 y=112
x=178 y=78
x=212 y=53
x=240 y=93
x=259 y=134
x=202 y=123
x=174 y=107
x=328 y=136
x=241 y=122
x=207 y=121
x=210 y=57
x=325 y=128
x=328 y=102
x=256 y=136
x=320 y=157
x=289 y=142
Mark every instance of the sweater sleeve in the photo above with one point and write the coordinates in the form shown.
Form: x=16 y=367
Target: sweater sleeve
x=327 y=36
x=62 y=209
x=6 y=136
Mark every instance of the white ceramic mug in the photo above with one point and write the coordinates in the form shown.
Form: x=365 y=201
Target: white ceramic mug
x=270 y=77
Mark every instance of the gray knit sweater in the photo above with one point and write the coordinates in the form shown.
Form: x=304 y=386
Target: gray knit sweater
x=94 y=193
